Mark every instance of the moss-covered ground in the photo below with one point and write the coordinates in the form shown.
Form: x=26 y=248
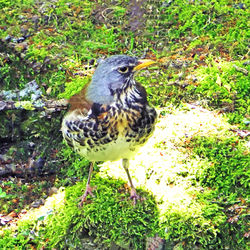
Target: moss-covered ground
x=192 y=175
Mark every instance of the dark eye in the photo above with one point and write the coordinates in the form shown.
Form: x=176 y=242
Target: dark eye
x=123 y=70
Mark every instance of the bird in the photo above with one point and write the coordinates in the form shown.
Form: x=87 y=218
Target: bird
x=110 y=119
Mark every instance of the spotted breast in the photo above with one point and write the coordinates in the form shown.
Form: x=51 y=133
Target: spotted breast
x=110 y=132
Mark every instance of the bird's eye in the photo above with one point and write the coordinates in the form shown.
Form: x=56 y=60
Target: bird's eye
x=123 y=70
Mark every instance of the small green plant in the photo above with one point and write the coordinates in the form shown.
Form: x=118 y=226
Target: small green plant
x=2 y=193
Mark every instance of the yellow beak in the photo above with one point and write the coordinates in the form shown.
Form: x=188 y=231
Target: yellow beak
x=144 y=63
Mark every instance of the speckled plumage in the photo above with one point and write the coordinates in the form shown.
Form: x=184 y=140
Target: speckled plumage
x=116 y=126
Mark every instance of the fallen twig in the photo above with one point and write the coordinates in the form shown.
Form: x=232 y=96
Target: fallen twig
x=51 y=105
x=244 y=71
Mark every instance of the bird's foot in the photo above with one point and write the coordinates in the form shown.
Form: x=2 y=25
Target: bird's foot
x=134 y=196
x=87 y=192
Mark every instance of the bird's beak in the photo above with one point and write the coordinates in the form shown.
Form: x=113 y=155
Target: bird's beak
x=143 y=63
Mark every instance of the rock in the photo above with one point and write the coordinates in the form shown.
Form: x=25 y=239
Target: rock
x=20 y=39
x=5 y=219
x=35 y=19
x=37 y=203
x=8 y=38
x=52 y=191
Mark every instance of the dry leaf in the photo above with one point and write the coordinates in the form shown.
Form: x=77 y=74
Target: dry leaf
x=218 y=80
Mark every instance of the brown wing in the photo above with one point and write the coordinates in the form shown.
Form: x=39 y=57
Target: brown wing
x=79 y=101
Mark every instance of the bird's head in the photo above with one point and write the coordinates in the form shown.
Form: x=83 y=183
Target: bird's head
x=111 y=75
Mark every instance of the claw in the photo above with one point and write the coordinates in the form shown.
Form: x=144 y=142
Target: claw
x=87 y=192
x=134 y=196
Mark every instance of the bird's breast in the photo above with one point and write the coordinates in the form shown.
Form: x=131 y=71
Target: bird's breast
x=114 y=133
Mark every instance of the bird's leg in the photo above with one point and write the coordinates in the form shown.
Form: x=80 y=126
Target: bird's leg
x=133 y=195
x=88 y=190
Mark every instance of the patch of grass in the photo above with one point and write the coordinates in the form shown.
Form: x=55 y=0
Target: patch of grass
x=225 y=88
x=224 y=24
x=58 y=39
x=219 y=85
x=19 y=196
x=225 y=165
x=73 y=87
x=11 y=72
x=196 y=225
x=29 y=230
x=75 y=167
x=20 y=239
x=2 y=193
x=229 y=215
x=109 y=217
x=224 y=170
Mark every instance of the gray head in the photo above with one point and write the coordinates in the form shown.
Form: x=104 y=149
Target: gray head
x=111 y=75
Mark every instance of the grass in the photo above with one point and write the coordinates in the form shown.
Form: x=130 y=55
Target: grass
x=193 y=173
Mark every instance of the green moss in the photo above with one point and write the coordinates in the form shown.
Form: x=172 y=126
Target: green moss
x=109 y=217
x=226 y=88
x=193 y=226
x=73 y=87
x=226 y=169
x=210 y=178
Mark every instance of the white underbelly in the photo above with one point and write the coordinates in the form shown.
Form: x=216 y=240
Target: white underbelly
x=119 y=149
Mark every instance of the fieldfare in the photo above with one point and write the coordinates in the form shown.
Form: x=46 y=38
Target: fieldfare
x=110 y=118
